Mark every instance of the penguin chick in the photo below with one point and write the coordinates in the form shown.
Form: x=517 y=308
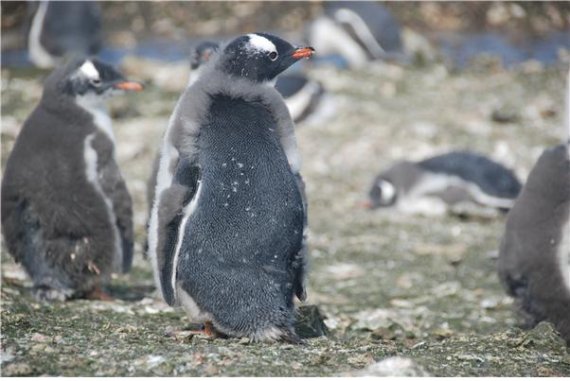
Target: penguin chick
x=226 y=234
x=534 y=254
x=433 y=185
x=61 y=29
x=66 y=212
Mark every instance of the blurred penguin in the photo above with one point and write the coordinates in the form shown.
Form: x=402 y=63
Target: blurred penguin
x=66 y=211
x=359 y=31
x=461 y=180
x=62 y=29
x=534 y=255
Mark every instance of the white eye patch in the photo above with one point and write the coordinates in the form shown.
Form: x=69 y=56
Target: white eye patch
x=388 y=190
x=88 y=69
x=258 y=42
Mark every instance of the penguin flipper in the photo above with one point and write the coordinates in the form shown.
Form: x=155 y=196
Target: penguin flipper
x=300 y=260
x=115 y=188
x=170 y=215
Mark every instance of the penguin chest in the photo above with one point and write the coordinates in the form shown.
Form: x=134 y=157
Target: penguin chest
x=95 y=159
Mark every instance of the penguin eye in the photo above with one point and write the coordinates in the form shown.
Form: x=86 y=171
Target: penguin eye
x=273 y=56
x=95 y=82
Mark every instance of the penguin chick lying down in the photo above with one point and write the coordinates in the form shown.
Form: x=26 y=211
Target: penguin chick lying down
x=66 y=212
x=450 y=181
x=227 y=227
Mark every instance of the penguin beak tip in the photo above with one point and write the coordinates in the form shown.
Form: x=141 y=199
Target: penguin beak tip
x=305 y=52
x=129 y=86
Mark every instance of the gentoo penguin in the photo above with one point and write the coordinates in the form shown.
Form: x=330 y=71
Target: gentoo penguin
x=433 y=185
x=360 y=31
x=66 y=212
x=302 y=95
x=64 y=28
x=534 y=253
x=227 y=228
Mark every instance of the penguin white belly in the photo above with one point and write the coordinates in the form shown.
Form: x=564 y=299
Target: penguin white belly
x=433 y=183
x=188 y=211
x=91 y=157
x=168 y=154
x=298 y=103
x=194 y=312
x=101 y=118
x=564 y=254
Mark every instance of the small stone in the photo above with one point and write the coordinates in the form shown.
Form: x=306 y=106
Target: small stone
x=18 y=369
x=310 y=322
x=39 y=338
x=393 y=367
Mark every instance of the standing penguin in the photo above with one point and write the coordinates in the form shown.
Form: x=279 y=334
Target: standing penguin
x=226 y=234
x=432 y=185
x=64 y=28
x=534 y=254
x=66 y=212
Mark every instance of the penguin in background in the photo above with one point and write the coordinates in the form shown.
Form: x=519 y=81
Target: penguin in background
x=227 y=229
x=61 y=29
x=66 y=211
x=452 y=180
x=534 y=254
x=359 y=31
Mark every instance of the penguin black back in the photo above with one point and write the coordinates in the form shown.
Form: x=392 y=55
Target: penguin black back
x=491 y=177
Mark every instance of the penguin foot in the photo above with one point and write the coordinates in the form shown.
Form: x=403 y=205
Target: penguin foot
x=98 y=294
x=207 y=329
x=48 y=294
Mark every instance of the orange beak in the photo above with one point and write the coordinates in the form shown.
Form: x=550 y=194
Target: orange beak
x=129 y=86
x=303 y=53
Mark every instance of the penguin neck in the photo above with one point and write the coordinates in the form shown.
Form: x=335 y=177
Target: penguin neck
x=97 y=108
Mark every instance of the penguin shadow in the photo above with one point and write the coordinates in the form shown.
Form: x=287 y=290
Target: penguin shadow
x=129 y=292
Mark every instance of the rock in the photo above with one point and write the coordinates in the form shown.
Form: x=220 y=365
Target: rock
x=505 y=114
x=18 y=369
x=310 y=322
x=393 y=367
x=343 y=271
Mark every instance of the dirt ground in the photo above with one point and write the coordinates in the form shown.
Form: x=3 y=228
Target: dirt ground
x=418 y=287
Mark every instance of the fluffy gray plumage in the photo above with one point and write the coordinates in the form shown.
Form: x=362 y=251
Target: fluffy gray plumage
x=55 y=222
x=236 y=264
x=534 y=255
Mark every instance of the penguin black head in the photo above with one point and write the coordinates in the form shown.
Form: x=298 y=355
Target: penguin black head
x=260 y=57
x=382 y=194
x=90 y=76
x=202 y=53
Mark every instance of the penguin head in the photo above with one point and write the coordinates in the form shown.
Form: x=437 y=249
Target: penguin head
x=202 y=54
x=91 y=77
x=383 y=193
x=260 y=57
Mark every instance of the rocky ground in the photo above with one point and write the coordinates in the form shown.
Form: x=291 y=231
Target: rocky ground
x=415 y=287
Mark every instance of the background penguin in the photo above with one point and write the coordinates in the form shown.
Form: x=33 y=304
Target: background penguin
x=66 y=212
x=227 y=229
x=360 y=31
x=534 y=254
x=453 y=179
x=64 y=28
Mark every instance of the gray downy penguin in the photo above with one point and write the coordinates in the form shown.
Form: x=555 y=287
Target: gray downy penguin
x=66 y=211
x=434 y=185
x=61 y=29
x=302 y=97
x=360 y=31
x=534 y=254
x=227 y=228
